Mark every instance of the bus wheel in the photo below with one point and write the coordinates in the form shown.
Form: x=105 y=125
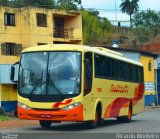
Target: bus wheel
x=128 y=118
x=46 y=124
x=93 y=123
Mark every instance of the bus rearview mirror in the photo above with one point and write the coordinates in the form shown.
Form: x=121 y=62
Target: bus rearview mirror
x=13 y=72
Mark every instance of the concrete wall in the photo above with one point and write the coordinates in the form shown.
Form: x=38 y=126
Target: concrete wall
x=149 y=79
x=27 y=33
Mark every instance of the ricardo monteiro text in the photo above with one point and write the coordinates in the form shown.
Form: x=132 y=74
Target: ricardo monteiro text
x=148 y=135
x=138 y=136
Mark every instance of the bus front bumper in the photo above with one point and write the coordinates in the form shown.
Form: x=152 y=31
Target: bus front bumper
x=74 y=114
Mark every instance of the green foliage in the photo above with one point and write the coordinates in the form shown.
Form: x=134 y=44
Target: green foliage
x=148 y=19
x=24 y=3
x=60 y=4
x=3 y=2
x=123 y=38
x=129 y=7
x=94 y=13
x=144 y=34
x=96 y=30
x=4 y=118
x=68 y=4
x=147 y=25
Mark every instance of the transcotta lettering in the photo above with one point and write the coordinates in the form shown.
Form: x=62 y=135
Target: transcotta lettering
x=119 y=88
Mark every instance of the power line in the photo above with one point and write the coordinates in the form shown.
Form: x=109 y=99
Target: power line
x=113 y=10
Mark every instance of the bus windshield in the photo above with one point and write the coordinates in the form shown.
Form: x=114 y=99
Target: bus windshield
x=50 y=73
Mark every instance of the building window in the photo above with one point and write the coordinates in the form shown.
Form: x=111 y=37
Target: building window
x=9 y=19
x=88 y=71
x=100 y=62
x=149 y=66
x=11 y=48
x=41 y=20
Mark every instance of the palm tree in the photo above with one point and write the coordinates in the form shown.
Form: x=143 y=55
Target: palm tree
x=129 y=7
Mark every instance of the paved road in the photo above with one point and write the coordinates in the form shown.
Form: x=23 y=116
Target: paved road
x=146 y=122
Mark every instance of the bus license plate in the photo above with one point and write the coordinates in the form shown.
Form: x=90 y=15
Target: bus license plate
x=46 y=116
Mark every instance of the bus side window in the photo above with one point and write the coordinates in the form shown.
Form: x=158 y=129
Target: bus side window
x=88 y=72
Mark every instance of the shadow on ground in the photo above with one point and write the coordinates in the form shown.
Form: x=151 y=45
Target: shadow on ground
x=70 y=127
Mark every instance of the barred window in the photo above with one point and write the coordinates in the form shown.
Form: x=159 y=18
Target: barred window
x=9 y=19
x=41 y=20
x=11 y=48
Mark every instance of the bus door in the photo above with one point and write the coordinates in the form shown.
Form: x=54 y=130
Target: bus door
x=88 y=78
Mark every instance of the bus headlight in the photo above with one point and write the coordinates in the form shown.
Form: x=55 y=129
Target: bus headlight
x=72 y=106
x=23 y=106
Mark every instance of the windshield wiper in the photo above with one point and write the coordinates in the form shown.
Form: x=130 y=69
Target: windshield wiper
x=38 y=83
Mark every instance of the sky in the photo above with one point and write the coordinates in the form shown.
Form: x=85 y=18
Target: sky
x=111 y=5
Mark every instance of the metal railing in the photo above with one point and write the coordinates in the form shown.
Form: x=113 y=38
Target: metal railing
x=60 y=33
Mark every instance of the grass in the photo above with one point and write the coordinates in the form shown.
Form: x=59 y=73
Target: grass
x=4 y=118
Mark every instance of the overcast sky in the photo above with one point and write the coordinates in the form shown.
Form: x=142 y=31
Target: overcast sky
x=109 y=6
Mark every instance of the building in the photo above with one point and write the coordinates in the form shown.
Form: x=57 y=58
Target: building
x=154 y=47
x=147 y=59
x=120 y=23
x=29 y=26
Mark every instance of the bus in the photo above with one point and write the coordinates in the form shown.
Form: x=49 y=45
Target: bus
x=67 y=82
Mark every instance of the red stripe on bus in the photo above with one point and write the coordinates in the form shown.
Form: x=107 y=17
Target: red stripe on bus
x=114 y=108
x=56 y=105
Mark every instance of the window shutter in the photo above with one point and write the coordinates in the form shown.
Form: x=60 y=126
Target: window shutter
x=44 y=20
x=18 y=48
x=3 y=49
x=41 y=20
x=5 y=19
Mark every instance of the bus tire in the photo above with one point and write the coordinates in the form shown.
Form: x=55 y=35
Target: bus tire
x=97 y=120
x=93 y=123
x=128 y=118
x=45 y=124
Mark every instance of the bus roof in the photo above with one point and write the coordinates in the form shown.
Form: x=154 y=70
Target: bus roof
x=82 y=48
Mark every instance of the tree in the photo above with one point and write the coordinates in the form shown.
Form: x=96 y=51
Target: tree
x=147 y=18
x=68 y=4
x=3 y=2
x=129 y=7
x=24 y=3
x=60 y=4
x=96 y=30
x=147 y=25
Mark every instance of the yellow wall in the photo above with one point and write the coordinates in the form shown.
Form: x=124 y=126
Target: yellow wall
x=8 y=93
x=27 y=33
x=149 y=76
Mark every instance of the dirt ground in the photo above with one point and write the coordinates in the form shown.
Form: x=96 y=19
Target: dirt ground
x=15 y=122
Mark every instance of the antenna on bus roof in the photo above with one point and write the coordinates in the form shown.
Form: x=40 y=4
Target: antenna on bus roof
x=109 y=51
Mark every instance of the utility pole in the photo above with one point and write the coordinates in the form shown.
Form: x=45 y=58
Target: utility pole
x=116 y=8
